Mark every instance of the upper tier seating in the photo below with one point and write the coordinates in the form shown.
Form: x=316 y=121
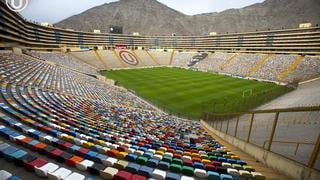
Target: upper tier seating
x=78 y=132
x=271 y=67
x=181 y=59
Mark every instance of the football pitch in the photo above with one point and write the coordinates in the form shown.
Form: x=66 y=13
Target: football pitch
x=188 y=93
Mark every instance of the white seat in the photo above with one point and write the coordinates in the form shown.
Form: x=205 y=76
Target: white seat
x=233 y=172
x=168 y=154
x=159 y=174
x=187 y=178
x=109 y=172
x=130 y=150
x=44 y=170
x=61 y=173
x=14 y=139
x=109 y=161
x=200 y=173
x=139 y=153
x=75 y=176
x=151 y=151
x=4 y=174
x=83 y=165
x=184 y=158
x=157 y=157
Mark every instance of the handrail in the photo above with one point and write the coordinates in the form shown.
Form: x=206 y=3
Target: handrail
x=283 y=110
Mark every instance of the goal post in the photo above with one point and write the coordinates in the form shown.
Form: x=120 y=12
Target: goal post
x=247 y=93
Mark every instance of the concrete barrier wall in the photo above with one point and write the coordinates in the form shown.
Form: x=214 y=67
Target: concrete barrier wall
x=275 y=161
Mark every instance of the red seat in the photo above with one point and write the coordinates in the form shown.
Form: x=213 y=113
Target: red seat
x=55 y=153
x=194 y=159
x=138 y=177
x=171 y=150
x=122 y=175
x=82 y=151
x=216 y=163
x=66 y=145
x=30 y=166
x=112 y=152
x=188 y=163
x=210 y=167
x=179 y=156
x=121 y=148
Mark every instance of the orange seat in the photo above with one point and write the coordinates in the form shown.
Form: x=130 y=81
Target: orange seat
x=74 y=161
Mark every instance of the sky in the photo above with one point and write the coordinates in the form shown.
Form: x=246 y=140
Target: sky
x=53 y=11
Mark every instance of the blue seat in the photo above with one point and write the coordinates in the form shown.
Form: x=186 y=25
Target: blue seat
x=35 y=134
x=131 y=157
x=153 y=163
x=241 y=162
x=148 y=155
x=73 y=148
x=145 y=171
x=226 y=177
x=213 y=175
x=164 y=165
x=4 y=132
x=14 y=178
x=231 y=161
x=222 y=159
x=148 y=146
x=133 y=167
x=143 y=149
x=15 y=155
x=90 y=155
x=6 y=152
x=3 y=146
x=98 y=158
x=172 y=176
x=198 y=165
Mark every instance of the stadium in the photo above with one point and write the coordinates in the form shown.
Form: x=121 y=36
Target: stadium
x=81 y=103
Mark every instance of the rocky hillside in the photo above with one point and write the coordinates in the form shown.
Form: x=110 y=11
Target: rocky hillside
x=150 y=17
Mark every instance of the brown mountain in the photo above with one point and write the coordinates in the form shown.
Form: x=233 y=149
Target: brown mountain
x=150 y=17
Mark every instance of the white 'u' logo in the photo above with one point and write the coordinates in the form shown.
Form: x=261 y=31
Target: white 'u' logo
x=17 y=5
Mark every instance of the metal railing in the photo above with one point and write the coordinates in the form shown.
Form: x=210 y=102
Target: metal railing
x=278 y=130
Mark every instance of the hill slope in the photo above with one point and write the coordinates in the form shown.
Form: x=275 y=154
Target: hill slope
x=150 y=17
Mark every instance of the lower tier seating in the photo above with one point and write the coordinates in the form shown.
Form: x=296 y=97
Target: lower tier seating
x=52 y=133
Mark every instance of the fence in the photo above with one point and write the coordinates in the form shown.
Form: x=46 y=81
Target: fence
x=293 y=133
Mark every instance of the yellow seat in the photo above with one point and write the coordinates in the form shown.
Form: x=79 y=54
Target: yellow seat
x=206 y=161
x=88 y=144
x=121 y=155
x=160 y=152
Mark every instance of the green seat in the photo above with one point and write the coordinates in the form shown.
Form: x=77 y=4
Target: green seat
x=213 y=158
x=167 y=159
x=187 y=170
x=175 y=168
x=142 y=160
x=177 y=161
x=237 y=166
x=249 y=168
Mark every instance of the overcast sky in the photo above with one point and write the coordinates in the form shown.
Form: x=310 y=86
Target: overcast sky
x=56 y=10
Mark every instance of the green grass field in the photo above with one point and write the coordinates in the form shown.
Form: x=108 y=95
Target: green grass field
x=189 y=93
